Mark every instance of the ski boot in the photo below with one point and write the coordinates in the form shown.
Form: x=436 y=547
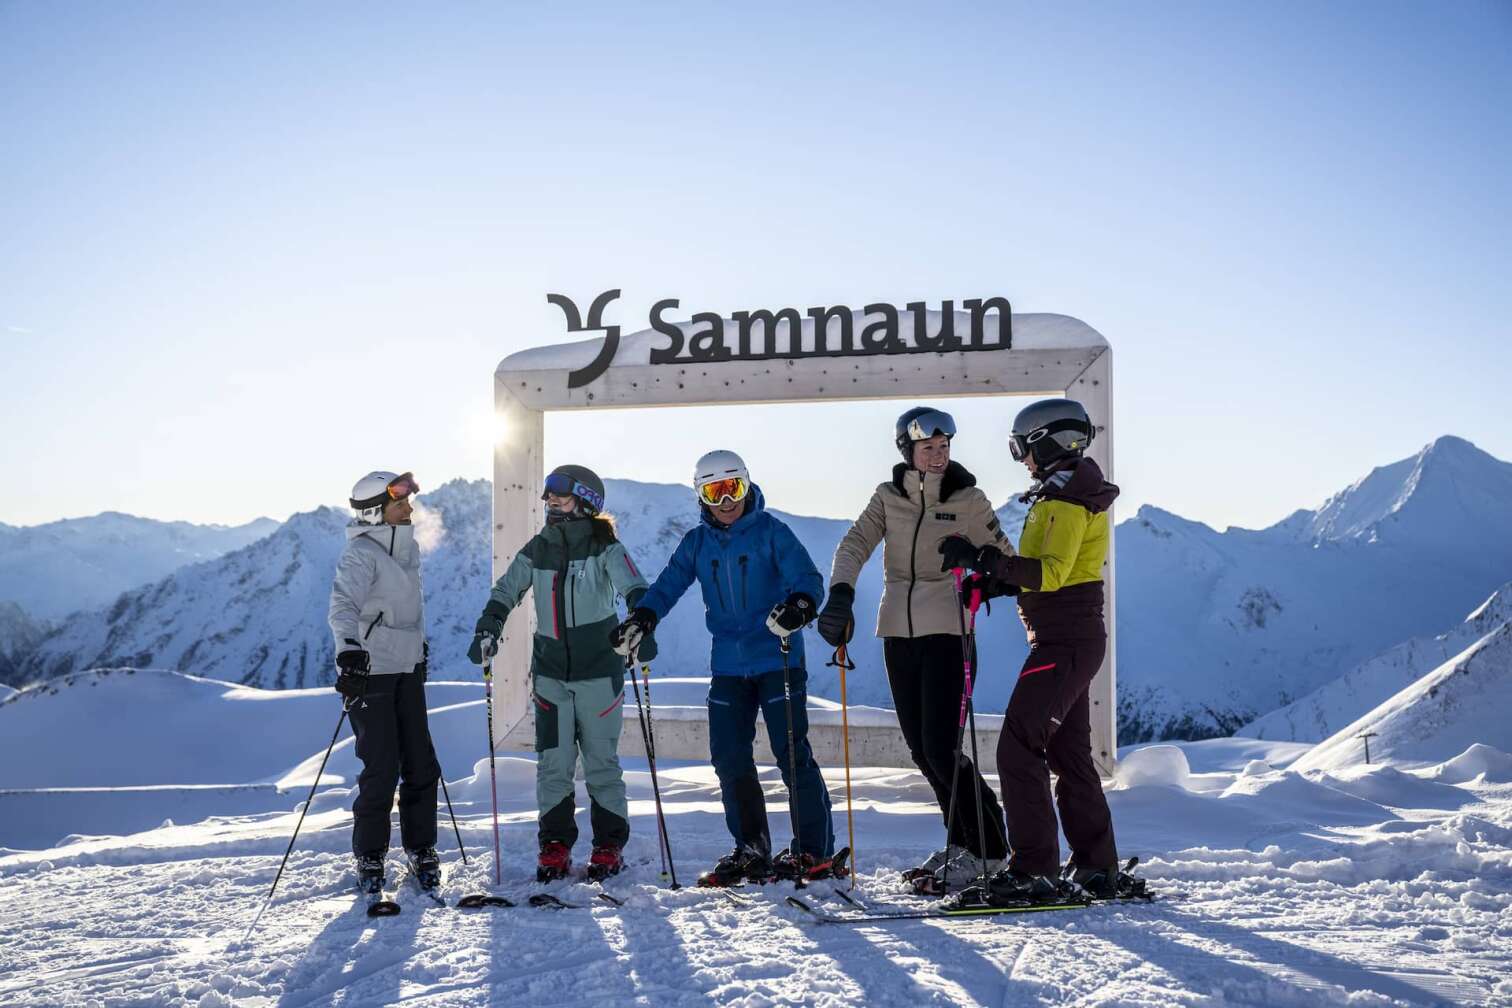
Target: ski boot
x=1110 y=883
x=554 y=862
x=605 y=860
x=931 y=864
x=788 y=867
x=962 y=870
x=370 y=873
x=425 y=863
x=743 y=864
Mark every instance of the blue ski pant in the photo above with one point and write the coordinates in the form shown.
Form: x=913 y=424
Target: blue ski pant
x=733 y=704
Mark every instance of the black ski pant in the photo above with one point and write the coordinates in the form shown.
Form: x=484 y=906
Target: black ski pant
x=394 y=745
x=1048 y=728
x=927 y=679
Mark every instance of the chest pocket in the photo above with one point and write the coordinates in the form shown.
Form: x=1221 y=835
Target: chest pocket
x=939 y=523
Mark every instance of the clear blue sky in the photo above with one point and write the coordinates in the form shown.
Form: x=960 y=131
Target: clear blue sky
x=249 y=251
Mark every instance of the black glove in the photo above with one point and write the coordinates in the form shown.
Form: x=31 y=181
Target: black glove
x=630 y=637
x=958 y=552
x=490 y=627
x=646 y=651
x=836 y=623
x=423 y=665
x=355 y=664
x=990 y=587
x=788 y=616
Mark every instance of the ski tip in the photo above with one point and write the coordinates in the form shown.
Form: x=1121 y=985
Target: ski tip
x=382 y=908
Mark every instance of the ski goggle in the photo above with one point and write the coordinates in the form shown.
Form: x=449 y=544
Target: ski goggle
x=927 y=425
x=1018 y=444
x=562 y=485
x=732 y=487
x=403 y=486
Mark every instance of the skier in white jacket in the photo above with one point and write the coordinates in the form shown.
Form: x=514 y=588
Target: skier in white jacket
x=377 y=617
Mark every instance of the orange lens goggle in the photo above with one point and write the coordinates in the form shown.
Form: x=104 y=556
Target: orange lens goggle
x=714 y=493
x=403 y=486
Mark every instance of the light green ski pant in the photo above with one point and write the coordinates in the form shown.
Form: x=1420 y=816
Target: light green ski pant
x=580 y=717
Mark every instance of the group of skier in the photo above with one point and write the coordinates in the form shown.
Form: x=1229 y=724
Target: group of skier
x=944 y=551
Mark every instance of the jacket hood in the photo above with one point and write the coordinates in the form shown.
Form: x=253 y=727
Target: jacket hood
x=955 y=477
x=755 y=504
x=1081 y=484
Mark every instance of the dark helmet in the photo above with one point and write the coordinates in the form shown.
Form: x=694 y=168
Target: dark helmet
x=919 y=424
x=580 y=481
x=1050 y=430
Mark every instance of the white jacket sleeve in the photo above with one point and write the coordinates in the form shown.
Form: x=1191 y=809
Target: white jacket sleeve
x=355 y=573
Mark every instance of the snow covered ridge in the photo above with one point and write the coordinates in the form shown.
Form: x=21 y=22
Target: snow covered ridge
x=1466 y=699
x=1331 y=707
x=1357 y=885
x=1215 y=629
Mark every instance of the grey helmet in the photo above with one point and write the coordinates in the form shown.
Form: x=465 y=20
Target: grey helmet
x=579 y=481
x=1050 y=430
x=920 y=424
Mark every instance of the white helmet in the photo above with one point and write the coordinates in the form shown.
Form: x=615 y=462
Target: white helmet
x=716 y=467
x=373 y=492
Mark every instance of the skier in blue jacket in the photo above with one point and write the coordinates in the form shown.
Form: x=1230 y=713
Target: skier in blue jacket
x=760 y=588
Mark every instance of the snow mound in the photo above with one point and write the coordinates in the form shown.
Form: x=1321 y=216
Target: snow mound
x=1477 y=761
x=1464 y=700
x=1392 y=788
x=1164 y=765
x=1290 y=796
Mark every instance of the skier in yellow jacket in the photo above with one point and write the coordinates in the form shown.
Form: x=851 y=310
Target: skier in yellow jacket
x=1057 y=576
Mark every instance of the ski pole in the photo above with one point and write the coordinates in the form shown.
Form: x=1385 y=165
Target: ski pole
x=313 y=785
x=655 y=787
x=640 y=714
x=787 y=693
x=648 y=739
x=493 y=779
x=451 y=812
x=842 y=661
x=968 y=653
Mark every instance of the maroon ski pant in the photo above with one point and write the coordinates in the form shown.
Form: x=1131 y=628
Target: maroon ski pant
x=1047 y=728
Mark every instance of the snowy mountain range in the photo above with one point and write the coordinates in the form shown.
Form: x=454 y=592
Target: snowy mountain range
x=76 y=564
x=1214 y=629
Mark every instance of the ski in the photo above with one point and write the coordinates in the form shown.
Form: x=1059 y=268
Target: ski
x=478 y=900
x=937 y=913
x=549 y=902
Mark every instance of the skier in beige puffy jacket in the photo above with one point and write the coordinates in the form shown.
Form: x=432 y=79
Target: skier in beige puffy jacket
x=928 y=498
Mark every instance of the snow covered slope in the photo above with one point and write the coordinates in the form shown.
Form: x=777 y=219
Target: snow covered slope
x=1369 y=887
x=1465 y=700
x=1333 y=706
x=83 y=563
